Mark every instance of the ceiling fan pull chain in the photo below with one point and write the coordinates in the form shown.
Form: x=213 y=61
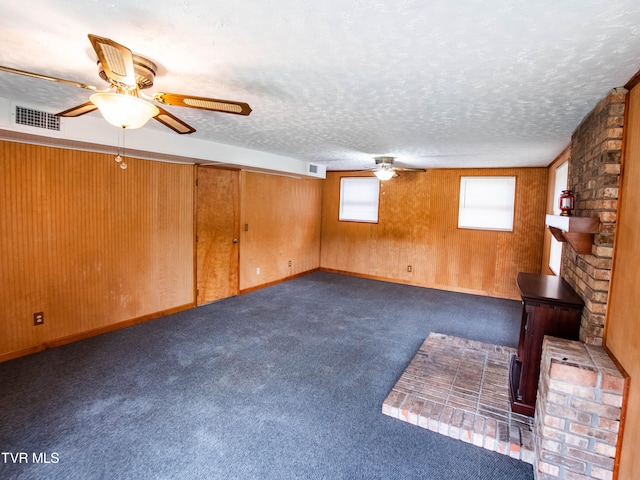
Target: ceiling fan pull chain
x=120 y=158
x=123 y=165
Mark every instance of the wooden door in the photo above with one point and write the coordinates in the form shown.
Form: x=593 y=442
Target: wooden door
x=217 y=234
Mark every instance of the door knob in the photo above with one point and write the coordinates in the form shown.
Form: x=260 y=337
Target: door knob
x=235 y=240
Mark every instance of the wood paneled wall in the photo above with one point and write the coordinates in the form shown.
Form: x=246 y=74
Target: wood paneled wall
x=418 y=217
x=622 y=333
x=279 y=227
x=89 y=244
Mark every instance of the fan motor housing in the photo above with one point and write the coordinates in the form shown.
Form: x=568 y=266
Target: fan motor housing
x=144 y=69
x=384 y=160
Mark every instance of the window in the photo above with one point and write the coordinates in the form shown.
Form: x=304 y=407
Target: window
x=487 y=203
x=555 y=249
x=359 y=199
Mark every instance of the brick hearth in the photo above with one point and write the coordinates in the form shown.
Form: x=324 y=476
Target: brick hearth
x=460 y=388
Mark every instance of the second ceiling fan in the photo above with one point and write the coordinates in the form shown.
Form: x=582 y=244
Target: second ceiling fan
x=386 y=168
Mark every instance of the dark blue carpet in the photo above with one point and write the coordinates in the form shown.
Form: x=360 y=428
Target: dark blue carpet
x=282 y=383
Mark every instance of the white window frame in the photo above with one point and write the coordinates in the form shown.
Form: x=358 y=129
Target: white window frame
x=359 y=199
x=487 y=203
x=556 y=247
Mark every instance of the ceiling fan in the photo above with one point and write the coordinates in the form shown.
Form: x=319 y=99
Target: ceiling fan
x=386 y=168
x=123 y=102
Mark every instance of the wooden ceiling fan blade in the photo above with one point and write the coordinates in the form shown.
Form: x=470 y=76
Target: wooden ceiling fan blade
x=47 y=77
x=116 y=60
x=78 y=110
x=213 y=104
x=407 y=169
x=173 y=122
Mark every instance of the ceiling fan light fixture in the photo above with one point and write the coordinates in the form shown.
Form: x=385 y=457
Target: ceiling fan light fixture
x=384 y=173
x=124 y=111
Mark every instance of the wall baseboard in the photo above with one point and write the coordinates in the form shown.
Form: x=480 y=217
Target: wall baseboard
x=91 y=333
x=447 y=288
x=126 y=323
x=275 y=282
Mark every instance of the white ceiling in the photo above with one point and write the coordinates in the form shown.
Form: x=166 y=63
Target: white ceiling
x=436 y=83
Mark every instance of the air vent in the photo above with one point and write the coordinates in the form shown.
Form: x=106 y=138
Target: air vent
x=37 y=118
x=313 y=168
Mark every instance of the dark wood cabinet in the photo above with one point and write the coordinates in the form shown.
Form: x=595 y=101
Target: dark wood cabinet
x=549 y=307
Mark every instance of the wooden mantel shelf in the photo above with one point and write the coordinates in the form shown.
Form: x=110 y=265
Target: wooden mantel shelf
x=578 y=231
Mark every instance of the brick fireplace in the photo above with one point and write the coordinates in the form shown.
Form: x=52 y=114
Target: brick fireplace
x=594 y=172
x=581 y=391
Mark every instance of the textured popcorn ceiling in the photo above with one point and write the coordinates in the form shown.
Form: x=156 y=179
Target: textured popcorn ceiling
x=435 y=83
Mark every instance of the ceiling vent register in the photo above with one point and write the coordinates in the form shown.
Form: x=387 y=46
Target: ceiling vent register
x=37 y=118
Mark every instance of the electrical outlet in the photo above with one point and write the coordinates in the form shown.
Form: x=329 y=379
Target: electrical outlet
x=258 y=271
x=409 y=268
x=38 y=318
x=290 y=263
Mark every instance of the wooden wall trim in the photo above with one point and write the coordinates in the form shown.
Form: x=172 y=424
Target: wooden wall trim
x=559 y=160
x=194 y=242
x=623 y=412
x=276 y=282
x=633 y=81
x=447 y=288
